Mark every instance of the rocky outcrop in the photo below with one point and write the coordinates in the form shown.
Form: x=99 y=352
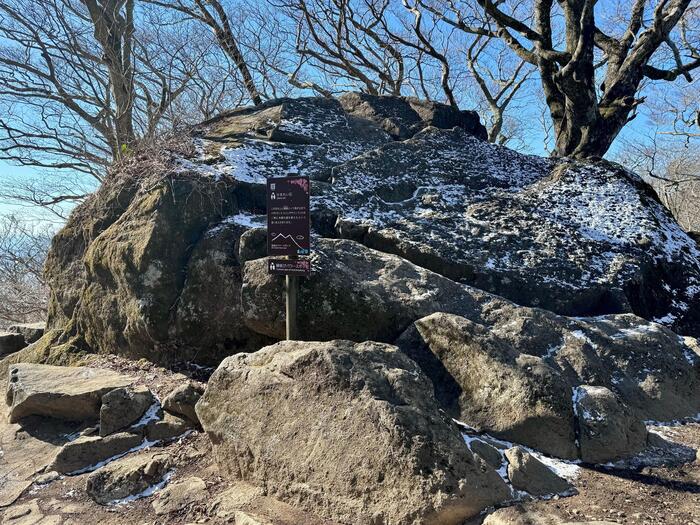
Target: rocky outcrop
x=126 y=477
x=153 y=266
x=364 y=408
x=573 y=238
x=517 y=375
x=73 y=394
x=403 y=117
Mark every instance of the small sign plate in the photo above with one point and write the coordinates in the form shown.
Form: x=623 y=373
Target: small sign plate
x=289 y=266
x=288 y=220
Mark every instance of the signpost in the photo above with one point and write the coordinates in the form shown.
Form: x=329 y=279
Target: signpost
x=289 y=235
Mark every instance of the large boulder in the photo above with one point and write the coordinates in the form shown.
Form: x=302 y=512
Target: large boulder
x=276 y=415
x=355 y=293
x=575 y=238
x=517 y=375
x=70 y=393
x=152 y=265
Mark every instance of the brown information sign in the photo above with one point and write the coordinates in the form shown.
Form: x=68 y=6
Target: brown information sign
x=289 y=266
x=288 y=222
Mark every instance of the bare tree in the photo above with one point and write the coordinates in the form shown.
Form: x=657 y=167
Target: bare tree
x=23 y=247
x=213 y=14
x=655 y=43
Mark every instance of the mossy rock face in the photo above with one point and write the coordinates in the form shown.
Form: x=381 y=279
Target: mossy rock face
x=152 y=276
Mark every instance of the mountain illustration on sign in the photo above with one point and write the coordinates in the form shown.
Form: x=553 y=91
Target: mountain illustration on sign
x=288 y=237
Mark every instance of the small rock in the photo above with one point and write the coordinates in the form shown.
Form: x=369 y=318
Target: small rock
x=31 y=332
x=87 y=451
x=182 y=400
x=122 y=407
x=10 y=343
x=126 y=477
x=531 y=475
x=169 y=428
x=69 y=393
x=179 y=495
x=47 y=477
x=488 y=453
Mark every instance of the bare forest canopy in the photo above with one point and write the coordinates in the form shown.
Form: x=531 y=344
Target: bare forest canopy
x=84 y=82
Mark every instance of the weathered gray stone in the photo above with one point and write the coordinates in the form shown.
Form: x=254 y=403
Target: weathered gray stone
x=487 y=452
x=122 y=407
x=574 y=238
x=365 y=408
x=170 y=427
x=403 y=117
x=528 y=473
x=88 y=451
x=355 y=293
x=179 y=495
x=10 y=343
x=31 y=332
x=70 y=393
x=483 y=381
x=608 y=429
x=182 y=400
x=512 y=370
x=126 y=477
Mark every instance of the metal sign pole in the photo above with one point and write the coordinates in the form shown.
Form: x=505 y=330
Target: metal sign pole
x=292 y=283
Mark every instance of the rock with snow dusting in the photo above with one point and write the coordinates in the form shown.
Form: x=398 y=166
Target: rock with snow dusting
x=481 y=380
x=127 y=477
x=574 y=238
x=515 y=374
x=69 y=393
x=122 y=407
x=151 y=265
x=364 y=408
x=607 y=428
x=529 y=474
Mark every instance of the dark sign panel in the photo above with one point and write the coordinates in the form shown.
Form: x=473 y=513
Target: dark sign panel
x=289 y=266
x=288 y=222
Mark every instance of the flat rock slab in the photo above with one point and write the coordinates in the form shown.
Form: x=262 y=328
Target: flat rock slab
x=88 y=452
x=69 y=393
x=27 y=450
x=31 y=332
